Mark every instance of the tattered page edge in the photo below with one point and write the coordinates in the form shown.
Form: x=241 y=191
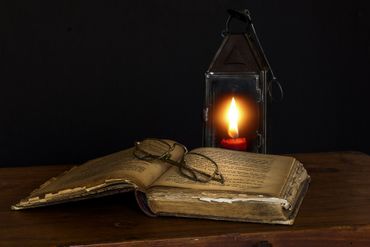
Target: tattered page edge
x=109 y=187
x=303 y=188
x=293 y=187
x=223 y=199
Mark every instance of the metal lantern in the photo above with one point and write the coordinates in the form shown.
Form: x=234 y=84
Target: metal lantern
x=238 y=82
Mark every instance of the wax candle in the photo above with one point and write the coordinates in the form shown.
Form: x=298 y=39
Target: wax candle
x=239 y=144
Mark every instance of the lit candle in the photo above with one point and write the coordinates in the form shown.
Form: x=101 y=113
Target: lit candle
x=234 y=142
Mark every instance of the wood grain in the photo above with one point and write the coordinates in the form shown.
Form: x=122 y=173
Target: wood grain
x=336 y=209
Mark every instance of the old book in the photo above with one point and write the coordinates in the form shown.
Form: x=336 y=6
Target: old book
x=257 y=187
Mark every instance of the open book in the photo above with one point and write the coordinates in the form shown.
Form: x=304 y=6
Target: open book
x=257 y=188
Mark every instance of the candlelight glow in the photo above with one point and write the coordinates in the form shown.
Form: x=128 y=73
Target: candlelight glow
x=233 y=119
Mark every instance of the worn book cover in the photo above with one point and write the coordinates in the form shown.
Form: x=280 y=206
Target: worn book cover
x=255 y=188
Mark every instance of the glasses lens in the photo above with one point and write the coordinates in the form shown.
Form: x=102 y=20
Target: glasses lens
x=152 y=148
x=199 y=167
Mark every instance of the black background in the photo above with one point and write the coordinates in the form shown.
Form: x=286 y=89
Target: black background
x=84 y=79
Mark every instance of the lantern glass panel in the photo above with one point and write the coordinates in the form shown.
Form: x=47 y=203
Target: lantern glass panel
x=244 y=88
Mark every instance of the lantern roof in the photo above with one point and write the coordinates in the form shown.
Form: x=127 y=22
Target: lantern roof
x=238 y=53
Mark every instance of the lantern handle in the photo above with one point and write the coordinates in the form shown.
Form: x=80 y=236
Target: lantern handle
x=245 y=16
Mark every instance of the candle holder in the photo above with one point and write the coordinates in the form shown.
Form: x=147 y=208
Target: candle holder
x=238 y=83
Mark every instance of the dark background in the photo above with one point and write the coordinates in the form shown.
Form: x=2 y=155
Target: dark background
x=84 y=79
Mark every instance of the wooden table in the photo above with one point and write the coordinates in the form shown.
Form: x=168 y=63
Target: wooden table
x=336 y=209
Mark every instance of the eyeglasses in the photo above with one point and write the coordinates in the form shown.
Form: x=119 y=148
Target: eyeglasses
x=195 y=166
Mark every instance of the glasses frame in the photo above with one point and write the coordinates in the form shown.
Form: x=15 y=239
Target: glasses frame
x=184 y=168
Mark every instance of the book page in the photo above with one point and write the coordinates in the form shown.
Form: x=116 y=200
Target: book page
x=120 y=167
x=243 y=173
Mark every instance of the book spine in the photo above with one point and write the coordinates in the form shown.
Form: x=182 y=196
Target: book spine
x=142 y=201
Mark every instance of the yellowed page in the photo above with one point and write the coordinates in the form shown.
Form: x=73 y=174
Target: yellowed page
x=114 y=170
x=243 y=172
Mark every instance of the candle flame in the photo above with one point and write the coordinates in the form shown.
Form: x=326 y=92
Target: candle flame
x=233 y=118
